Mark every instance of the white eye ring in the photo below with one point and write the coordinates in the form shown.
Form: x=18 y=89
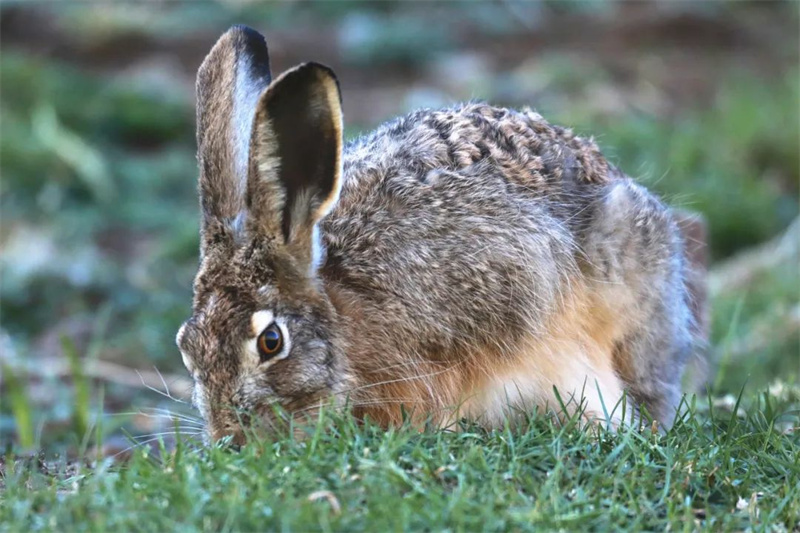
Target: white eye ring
x=260 y=321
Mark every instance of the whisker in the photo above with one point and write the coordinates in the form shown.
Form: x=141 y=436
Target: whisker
x=164 y=415
x=151 y=437
x=404 y=364
x=172 y=414
x=163 y=382
x=135 y=446
x=398 y=380
x=162 y=393
x=178 y=433
x=365 y=403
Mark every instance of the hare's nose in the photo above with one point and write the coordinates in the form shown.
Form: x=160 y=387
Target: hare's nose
x=238 y=440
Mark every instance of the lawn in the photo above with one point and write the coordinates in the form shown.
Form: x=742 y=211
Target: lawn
x=721 y=467
x=99 y=237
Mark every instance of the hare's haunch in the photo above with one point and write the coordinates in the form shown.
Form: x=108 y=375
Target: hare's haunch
x=466 y=262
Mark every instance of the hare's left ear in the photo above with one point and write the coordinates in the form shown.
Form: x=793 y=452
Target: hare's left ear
x=229 y=83
x=295 y=170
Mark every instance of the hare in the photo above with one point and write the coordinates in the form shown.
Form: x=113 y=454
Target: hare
x=472 y=262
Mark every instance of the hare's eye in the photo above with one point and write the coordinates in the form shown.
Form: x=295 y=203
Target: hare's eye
x=270 y=342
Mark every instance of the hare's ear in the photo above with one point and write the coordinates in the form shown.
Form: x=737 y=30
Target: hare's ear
x=229 y=83
x=296 y=158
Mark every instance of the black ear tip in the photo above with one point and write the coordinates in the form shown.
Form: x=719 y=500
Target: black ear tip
x=317 y=71
x=248 y=39
x=320 y=68
x=247 y=34
x=251 y=44
x=242 y=28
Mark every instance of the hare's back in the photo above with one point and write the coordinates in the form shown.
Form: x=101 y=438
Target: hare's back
x=496 y=151
x=472 y=164
x=466 y=218
x=521 y=145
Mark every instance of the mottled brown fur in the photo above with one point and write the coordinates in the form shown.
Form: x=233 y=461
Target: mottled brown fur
x=471 y=255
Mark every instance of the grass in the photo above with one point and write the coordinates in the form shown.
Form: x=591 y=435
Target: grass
x=735 y=162
x=719 y=468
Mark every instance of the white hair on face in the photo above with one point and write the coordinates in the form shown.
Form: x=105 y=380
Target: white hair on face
x=317 y=252
x=187 y=361
x=258 y=323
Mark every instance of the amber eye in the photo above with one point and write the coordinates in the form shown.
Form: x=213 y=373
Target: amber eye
x=270 y=342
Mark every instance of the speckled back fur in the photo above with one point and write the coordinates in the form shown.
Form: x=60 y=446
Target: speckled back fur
x=473 y=258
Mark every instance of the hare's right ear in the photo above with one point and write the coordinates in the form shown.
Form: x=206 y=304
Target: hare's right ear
x=229 y=83
x=296 y=160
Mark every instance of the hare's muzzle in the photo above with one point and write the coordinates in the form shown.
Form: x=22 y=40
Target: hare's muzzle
x=228 y=424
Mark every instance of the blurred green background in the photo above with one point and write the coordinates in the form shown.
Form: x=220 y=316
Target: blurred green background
x=99 y=233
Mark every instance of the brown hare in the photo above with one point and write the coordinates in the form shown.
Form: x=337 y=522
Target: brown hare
x=464 y=262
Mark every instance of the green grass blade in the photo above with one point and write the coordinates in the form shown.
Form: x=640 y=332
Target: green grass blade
x=21 y=408
x=82 y=399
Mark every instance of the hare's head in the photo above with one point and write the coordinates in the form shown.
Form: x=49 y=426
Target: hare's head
x=262 y=332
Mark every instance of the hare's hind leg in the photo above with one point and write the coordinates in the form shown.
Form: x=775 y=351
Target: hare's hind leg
x=636 y=263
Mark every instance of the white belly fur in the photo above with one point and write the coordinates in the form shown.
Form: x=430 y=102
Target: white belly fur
x=578 y=366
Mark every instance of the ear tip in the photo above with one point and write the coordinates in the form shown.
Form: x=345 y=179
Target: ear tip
x=239 y=40
x=243 y=28
x=318 y=71
x=331 y=75
x=239 y=36
x=246 y=35
x=325 y=70
x=245 y=40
